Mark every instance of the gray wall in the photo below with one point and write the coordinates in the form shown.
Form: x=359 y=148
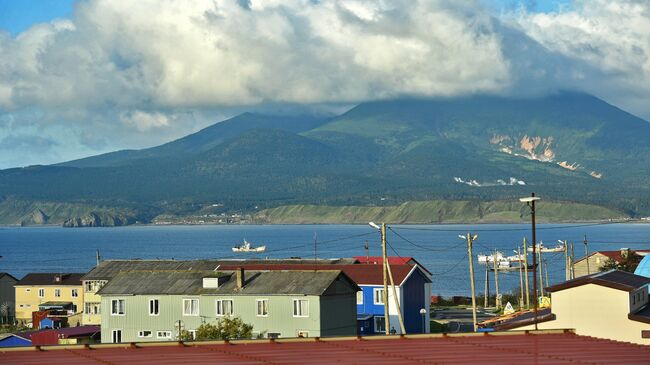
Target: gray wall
x=8 y=294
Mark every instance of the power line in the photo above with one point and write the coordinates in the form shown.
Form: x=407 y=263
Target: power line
x=424 y=247
x=520 y=229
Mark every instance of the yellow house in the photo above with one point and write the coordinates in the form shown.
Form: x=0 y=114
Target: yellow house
x=49 y=291
x=612 y=305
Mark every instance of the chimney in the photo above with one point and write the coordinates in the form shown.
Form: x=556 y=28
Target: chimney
x=241 y=278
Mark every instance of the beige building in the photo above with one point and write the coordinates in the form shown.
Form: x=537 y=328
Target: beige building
x=48 y=290
x=611 y=305
x=593 y=263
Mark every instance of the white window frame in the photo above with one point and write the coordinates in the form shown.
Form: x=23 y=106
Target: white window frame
x=192 y=333
x=123 y=307
x=74 y=293
x=113 y=332
x=360 y=297
x=305 y=333
x=197 y=307
x=257 y=307
x=299 y=308
x=142 y=335
x=57 y=293
x=219 y=304
x=157 y=312
x=166 y=335
x=41 y=292
x=376 y=297
x=273 y=335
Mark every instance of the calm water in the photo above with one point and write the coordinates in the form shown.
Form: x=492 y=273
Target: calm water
x=51 y=249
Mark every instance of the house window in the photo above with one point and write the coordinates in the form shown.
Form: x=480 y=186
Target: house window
x=41 y=292
x=117 y=336
x=273 y=335
x=117 y=307
x=75 y=293
x=192 y=333
x=360 y=297
x=300 y=308
x=190 y=307
x=378 y=295
x=380 y=324
x=57 y=292
x=92 y=308
x=262 y=307
x=28 y=290
x=74 y=308
x=154 y=307
x=303 y=334
x=164 y=335
x=224 y=307
x=90 y=287
x=145 y=334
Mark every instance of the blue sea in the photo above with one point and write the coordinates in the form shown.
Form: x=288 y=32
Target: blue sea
x=437 y=247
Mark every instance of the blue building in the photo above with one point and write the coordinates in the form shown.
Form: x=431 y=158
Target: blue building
x=16 y=340
x=644 y=267
x=413 y=289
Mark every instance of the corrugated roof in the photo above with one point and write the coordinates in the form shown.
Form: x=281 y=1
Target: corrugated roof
x=361 y=274
x=110 y=268
x=553 y=347
x=616 y=255
x=191 y=283
x=50 y=279
x=393 y=260
x=613 y=279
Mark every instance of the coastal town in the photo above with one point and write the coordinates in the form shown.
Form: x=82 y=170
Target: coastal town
x=260 y=301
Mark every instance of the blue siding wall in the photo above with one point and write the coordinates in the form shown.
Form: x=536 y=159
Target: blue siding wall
x=368 y=307
x=413 y=294
x=13 y=341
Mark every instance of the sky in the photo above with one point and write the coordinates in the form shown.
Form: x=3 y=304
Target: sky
x=79 y=78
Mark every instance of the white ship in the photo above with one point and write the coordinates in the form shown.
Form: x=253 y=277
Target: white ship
x=247 y=247
x=541 y=248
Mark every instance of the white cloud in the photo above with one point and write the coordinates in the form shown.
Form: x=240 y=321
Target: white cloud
x=133 y=69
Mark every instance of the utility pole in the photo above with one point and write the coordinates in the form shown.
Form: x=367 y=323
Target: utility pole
x=573 y=260
x=487 y=285
x=587 y=254
x=521 y=281
x=530 y=201
x=395 y=299
x=315 y=252
x=526 y=272
x=496 y=280
x=97 y=258
x=470 y=240
x=540 y=270
x=385 y=260
x=546 y=271
x=365 y=247
x=567 y=270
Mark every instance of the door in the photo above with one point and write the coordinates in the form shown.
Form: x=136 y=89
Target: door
x=117 y=336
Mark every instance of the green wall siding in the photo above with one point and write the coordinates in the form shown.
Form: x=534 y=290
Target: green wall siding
x=337 y=314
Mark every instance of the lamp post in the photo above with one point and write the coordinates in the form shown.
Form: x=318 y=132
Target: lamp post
x=530 y=201
x=423 y=313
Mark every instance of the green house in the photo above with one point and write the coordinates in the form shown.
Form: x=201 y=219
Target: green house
x=139 y=306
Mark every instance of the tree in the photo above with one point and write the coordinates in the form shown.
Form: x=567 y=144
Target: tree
x=629 y=263
x=228 y=328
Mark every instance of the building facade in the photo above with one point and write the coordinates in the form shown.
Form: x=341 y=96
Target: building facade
x=40 y=291
x=7 y=298
x=594 y=261
x=611 y=305
x=157 y=306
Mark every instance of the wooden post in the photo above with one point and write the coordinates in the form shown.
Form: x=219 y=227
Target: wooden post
x=573 y=261
x=97 y=258
x=471 y=279
x=546 y=271
x=487 y=285
x=526 y=273
x=521 y=281
x=587 y=254
x=385 y=296
x=541 y=267
x=496 y=280
x=395 y=299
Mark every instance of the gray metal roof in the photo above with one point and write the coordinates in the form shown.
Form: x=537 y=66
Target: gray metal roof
x=191 y=283
x=108 y=269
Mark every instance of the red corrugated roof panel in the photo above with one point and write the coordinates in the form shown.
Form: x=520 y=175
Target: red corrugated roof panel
x=553 y=348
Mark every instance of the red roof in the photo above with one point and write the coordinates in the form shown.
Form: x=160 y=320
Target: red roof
x=393 y=260
x=361 y=274
x=616 y=255
x=506 y=347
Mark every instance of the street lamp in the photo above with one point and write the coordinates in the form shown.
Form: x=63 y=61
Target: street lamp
x=423 y=313
x=530 y=201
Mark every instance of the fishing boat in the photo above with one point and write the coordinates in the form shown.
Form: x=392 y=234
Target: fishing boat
x=247 y=247
x=502 y=261
x=541 y=248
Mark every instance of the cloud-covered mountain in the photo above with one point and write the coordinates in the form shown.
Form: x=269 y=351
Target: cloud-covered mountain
x=566 y=146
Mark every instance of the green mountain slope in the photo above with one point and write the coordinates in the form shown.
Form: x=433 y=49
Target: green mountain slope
x=565 y=147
